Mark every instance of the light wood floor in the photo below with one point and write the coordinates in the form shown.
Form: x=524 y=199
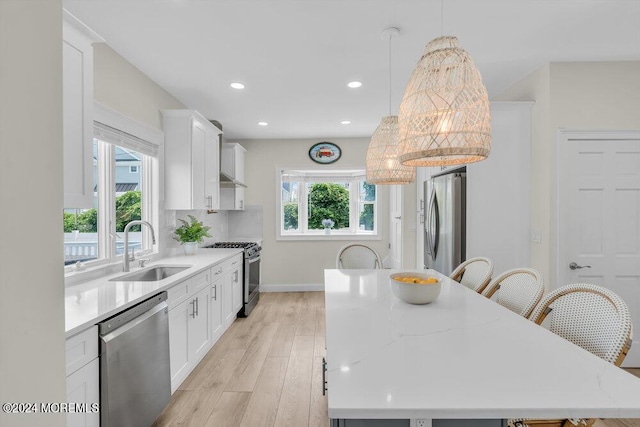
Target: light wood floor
x=266 y=371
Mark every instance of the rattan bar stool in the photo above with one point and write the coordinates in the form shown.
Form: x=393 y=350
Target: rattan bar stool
x=519 y=290
x=356 y=255
x=591 y=317
x=474 y=273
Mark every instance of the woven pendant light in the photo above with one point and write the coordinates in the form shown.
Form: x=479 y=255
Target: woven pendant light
x=382 y=162
x=444 y=115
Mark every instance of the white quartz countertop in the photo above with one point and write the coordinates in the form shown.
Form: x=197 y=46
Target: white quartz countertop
x=91 y=302
x=462 y=356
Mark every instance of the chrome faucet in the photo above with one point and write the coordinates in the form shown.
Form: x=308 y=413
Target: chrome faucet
x=125 y=266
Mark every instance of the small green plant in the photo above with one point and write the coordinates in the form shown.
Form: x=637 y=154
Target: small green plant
x=193 y=231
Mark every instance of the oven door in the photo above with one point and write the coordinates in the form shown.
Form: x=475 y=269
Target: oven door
x=251 y=283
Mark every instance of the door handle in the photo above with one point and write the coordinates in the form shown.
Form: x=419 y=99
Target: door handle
x=575 y=266
x=193 y=308
x=397 y=217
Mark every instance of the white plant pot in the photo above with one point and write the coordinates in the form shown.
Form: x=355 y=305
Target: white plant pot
x=190 y=248
x=327 y=231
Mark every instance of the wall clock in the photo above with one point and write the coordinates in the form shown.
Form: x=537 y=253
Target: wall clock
x=324 y=153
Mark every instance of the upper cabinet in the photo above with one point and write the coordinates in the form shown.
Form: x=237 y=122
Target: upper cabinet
x=192 y=162
x=77 y=107
x=232 y=177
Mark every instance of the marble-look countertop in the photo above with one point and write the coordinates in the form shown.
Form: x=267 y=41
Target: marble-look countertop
x=462 y=356
x=93 y=301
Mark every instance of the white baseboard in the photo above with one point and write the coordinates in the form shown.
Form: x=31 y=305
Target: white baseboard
x=307 y=287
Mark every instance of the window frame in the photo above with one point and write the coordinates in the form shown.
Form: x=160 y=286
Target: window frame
x=144 y=140
x=303 y=233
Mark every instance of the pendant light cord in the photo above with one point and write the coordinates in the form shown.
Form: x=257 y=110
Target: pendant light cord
x=441 y=17
x=390 y=37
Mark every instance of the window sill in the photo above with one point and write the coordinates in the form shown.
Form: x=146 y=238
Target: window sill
x=333 y=236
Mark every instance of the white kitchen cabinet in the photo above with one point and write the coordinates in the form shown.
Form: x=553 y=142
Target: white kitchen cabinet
x=215 y=311
x=228 y=316
x=236 y=286
x=83 y=387
x=179 y=343
x=233 y=162
x=201 y=308
x=192 y=167
x=77 y=111
x=189 y=326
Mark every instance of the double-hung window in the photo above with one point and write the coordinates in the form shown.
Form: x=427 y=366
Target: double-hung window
x=321 y=204
x=124 y=167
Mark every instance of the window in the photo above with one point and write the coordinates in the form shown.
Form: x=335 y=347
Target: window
x=120 y=196
x=313 y=200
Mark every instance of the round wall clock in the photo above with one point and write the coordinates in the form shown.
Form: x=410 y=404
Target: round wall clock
x=325 y=152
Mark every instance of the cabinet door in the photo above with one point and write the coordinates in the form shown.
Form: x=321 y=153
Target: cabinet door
x=77 y=118
x=240 y=198
x=239 y=162
x=216 y=310
x=179 y=342
x=236 y=284
x=198 y=141
x=212 y=170
x=199 y=337
x=227 y=300
x=83 y=387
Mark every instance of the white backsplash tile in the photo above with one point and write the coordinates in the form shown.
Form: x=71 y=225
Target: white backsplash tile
x=246 y=223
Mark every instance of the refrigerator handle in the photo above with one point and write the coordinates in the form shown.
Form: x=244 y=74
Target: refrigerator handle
x=435 y=217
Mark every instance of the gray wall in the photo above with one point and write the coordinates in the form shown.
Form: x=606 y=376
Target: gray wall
x=300 y=262
x=573 y=96
x=32 y=356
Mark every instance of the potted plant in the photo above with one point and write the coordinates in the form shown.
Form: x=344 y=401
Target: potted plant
x=327 y=223
x=190 y=233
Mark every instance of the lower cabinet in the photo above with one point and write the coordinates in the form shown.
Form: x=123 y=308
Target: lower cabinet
x=201 y=308
x=215 y=312
x=236 y=285
x=228 y=315
x=188 y=335
x=83 y=387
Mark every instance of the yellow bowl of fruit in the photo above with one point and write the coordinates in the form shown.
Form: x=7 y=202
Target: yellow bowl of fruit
x=415 y=288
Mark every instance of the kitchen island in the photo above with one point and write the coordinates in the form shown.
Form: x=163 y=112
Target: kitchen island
x=461 y=360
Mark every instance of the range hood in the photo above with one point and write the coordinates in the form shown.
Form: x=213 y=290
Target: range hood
x=229 y=182
x=226 y=181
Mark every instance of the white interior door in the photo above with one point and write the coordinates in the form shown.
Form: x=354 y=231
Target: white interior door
x=395 y=226
x=599 y=217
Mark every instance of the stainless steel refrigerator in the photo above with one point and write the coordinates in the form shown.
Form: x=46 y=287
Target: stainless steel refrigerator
x=445 y=221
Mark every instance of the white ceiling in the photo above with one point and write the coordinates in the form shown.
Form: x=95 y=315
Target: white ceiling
x=296 y=56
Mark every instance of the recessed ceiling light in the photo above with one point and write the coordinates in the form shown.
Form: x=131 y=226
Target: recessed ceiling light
x=237 y=85
x=263 y=123
x=354 y=84
x=345 y=122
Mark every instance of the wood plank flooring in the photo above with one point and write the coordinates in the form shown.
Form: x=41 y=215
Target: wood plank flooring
x=266 y=371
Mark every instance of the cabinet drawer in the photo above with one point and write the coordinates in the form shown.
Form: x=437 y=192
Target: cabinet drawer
x=224 y=267
x=81 y=349
x=178 y=293
x=199 y=281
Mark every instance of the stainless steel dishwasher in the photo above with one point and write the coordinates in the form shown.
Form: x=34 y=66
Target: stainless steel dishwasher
x=135 y=379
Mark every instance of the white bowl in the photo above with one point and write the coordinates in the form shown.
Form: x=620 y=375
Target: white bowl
x=415 y=293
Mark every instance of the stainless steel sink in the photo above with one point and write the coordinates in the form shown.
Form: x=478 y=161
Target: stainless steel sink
x=153 y=274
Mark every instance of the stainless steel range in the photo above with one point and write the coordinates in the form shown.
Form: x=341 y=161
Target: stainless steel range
x=250 y=272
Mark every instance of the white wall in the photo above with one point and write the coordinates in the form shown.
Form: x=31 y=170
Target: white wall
x=574 y=96
x=299 y=262
x=32 y=356
x=122 y=87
